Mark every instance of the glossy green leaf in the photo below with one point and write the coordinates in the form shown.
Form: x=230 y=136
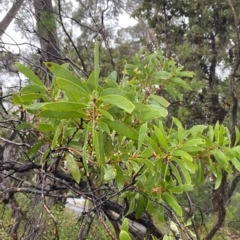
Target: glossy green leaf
x=172 y=202
x=113 y=91
x=161 y=138
x=78 y=90
x=142 y=135
x=235 y=163
x=32 y=96
x=119 y=101
x=33 y=88
x=162 y=101
x=140 y=207
x=237 y=134
x=62 y=115
x=180 y=128
x=184 y=170
x=194 y=142
x=62 y=106
x=113 y=76
x=33 y=78
x=73 y=168
x=124 y=235
x=92 y=81
x=119 y=177
x=176 y=173
x=98 y=147
x=107 y=115
x=122 y=129
x=146 y=162
x=218 y=179
x=161 y=110
x=125 y=225
x=221 y=158
x=58 y=132
x=182 y=154
x=45 y=127
x=181 y=83
x=145 y=113
x=23 y=126
x=34 y=149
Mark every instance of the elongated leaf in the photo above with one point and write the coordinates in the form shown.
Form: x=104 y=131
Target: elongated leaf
x=172 y=202
x=62 y=115
x=32 y=96
x=194 y=142
x=125 y=225
x=78 y=90
x=142 y=135
x=221 y=158
x=92 y=81
x=119 y=177
x=145 y=113
x=24 y=126
x=62 y=106
x=111 y=91
x=33 y=78
x=98 y=147
x=44 y=127
x=184 y=170
x=57 y=134
x=124 y=235
x=162 y=101
x=147 y=162
x=218 y=179
x=34 y=149
x=161 y=110
x=176 y=173
x=182 y=154
x=236 y=163
x=122 y=129
x=118 y=101
x=161 y=138
x=181 y=83
x=73 y=168
x=33 y=88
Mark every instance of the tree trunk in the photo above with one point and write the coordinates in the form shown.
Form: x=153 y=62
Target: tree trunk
x=10 y=16
x=47 y=31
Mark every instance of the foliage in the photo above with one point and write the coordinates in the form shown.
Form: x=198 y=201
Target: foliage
x=113 y=134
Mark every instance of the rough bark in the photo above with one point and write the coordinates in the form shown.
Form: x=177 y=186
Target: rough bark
x=10 y=16
x=47 y=31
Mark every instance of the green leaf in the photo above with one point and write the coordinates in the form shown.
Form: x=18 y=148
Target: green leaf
x=62 y=115
x=118 y=101
x=142 y=135
x=62 y=106
x=113 y=76
x=78 y=90
x=184 y=170
x=124 y=235
x=73 y=168
x=140 y=207
x=125 y=226
x=145 y=113
x=182 y=154
x=109 y=172
x=45 y=127
x=33 y=78
x=235 y=163
x=181 y=83
x=237 y=134
x=161 y=138
x=32 y=96
x=113 y=91
x=92 y=81
x=122 y=129
x=162 y=101
x=57 y=134
x=176 y=173
x=218 y=179
x=119 y=177
x=107 y=115
x=221 y=158
x=161 y=110
x=22 y=126
x=194 y=142
x=172 y=202
x=34 y=149
x=180 y=128
x=98 y=147
x=33 y=88
x=146 y=162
